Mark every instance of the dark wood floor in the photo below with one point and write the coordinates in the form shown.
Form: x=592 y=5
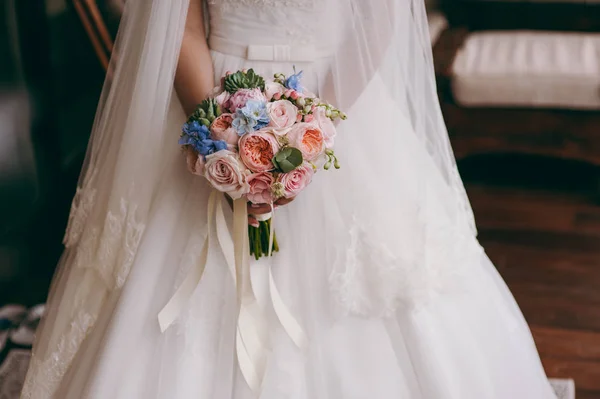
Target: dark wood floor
x=546 y=244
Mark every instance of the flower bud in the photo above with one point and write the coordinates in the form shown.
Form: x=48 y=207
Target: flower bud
x=277 y=96
x=309 y=118
x=278 y=189
x=307 y=109
x=301 y=102
x=328 y=113
x=294 y=95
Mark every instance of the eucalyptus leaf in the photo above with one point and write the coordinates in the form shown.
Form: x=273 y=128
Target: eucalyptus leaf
x=288 y=159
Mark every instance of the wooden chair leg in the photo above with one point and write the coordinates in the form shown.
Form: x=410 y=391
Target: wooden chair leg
x=96 y=29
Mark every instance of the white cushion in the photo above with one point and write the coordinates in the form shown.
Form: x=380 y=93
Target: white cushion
x=437 y=24
x=528 y=69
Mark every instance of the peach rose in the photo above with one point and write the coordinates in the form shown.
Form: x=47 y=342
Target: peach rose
x=226 y=172
x=308 y=138
x=239 y=99
x=257 y=149
x=296 y=180
x=195 y=162
x=260 y=188
x=221 y=129
x=282 y=114
x=326 y=125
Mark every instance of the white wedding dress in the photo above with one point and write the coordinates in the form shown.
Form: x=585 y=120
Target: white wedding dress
x=378 y=264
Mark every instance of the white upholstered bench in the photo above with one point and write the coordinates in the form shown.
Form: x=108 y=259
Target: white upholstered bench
x=521 y=92
x=528 y=69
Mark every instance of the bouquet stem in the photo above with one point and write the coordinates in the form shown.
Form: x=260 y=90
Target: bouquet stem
x=259 y=239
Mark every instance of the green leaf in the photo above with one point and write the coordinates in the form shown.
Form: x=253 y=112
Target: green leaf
x=288 y=159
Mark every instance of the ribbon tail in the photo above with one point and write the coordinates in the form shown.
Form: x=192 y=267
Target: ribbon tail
x=225 y=240
x=246 y=364
x=252 y=330
x=287 y=320
x=174 y=308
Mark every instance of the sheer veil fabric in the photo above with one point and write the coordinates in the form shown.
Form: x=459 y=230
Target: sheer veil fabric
x=379 y=261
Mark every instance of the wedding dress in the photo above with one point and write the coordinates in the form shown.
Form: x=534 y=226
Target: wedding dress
x=379 y=266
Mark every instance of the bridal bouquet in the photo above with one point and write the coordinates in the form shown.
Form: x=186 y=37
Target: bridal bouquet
x=262 y=141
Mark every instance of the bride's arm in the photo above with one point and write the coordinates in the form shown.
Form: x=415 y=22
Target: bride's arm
x=194 y=78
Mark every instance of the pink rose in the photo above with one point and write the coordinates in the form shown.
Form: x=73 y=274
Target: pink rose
x=274 y=89
x=195 y=162
x=257 y=149
x=296 y=180
x=225 y=171
x=221 y=129
x=260 y=188
x=282 y=114
x=326 y=125
x=308 y=138
x=240 y=98
x=223 y=100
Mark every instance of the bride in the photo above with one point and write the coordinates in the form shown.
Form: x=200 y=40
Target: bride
x=380 y=289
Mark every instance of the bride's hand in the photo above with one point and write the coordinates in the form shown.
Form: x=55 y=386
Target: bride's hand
x=259 y=209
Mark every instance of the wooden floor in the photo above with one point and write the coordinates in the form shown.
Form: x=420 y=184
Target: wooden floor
x=546 y=245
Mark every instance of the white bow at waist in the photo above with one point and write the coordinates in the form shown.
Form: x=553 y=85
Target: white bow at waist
x=269 y=52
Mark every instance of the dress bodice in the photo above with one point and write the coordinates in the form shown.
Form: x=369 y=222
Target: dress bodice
x=274 y=22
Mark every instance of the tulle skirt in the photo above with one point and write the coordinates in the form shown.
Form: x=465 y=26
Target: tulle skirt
x=396 y=301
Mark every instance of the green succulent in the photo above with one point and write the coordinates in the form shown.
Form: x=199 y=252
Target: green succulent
x=244 y=80
x=206 y=112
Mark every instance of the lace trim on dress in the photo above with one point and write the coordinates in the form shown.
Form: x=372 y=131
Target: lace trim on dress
x=370 y=280
x=83 y=202
x=51 y=370
x=108 y=248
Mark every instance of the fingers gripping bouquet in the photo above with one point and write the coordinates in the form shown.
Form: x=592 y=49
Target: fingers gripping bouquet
x=262 y=141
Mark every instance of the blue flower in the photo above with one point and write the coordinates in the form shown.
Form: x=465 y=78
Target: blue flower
x=198 y=137
x=256 y=110
x=242 y=124
x=252 y=117
x=293 y=82
x=195 y=129
x=220 y=145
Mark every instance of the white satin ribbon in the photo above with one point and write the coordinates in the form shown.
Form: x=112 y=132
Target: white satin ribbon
x=287 y=320
x=174 y=307
x=252 y=327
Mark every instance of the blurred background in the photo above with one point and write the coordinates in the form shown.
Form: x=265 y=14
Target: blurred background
x=519 y=86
